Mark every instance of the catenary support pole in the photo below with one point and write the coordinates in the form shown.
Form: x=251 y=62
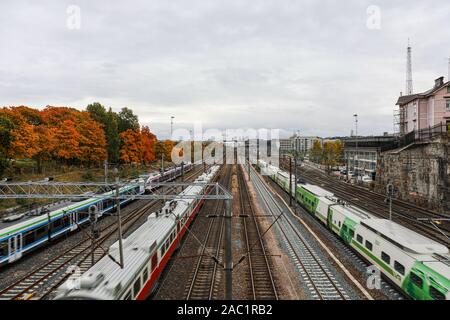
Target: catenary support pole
x=290 y=181
x=295 y=183
x=119 y=223
x=228 y=252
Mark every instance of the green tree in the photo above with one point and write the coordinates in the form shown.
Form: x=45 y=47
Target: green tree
x=97 y=112
x=316 y=151
x=6 y=127
x=109 y=121
x=160 y=150
x=112 y=136
x=127 y=120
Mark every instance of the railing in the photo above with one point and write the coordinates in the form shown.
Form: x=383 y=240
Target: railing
x=389 y=143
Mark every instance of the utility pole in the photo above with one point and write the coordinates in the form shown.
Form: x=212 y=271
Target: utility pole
x=119 y=223
x=356 y=158
x=228 y=252
x=171 y=126
x=105 y=164
x=182 y=171
x=93 y=215
x=390 y=194
x=295 y=183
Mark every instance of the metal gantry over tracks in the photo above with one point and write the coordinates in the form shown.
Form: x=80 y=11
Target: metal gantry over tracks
x=82 y=190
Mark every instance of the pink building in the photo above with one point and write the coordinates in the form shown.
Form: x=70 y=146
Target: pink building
x=427 y=109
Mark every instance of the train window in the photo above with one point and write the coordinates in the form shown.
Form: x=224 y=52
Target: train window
x=56 y=224
x=352 y=233
x=416 y=280
x=41 y=231
x=82 y=215
x=128 y=295
x=435 y=294
x=369 y=245
x=359 y=238
x=385 y=257
x=399 y=267
x=66 y=221
x=28 y=238
x=154 y=261
x=339 y=224
x=137 y=286
x=145 y=275
x=3 y=249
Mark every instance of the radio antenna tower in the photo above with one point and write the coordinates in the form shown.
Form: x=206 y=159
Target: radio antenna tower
x=448 y=76
x=409 y=81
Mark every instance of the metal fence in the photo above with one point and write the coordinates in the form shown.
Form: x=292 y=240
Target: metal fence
x=385 y=143
x=425 y=134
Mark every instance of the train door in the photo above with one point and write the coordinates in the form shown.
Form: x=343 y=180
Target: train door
x=330 y=218
x=348 y=230
x=15 y=247
x=416 y=284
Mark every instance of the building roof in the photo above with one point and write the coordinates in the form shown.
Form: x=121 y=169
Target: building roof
x=402 y=100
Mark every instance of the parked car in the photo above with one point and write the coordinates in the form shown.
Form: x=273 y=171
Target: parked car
x=365 y=179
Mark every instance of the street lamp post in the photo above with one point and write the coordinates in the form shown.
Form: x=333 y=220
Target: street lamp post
x=356 y=158
x=171 y=126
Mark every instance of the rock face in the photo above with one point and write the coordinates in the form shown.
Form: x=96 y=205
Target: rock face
x=420 y=173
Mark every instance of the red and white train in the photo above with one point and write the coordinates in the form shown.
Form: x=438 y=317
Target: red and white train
x=146 y=252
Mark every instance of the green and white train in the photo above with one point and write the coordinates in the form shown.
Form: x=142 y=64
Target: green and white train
x=419 y=266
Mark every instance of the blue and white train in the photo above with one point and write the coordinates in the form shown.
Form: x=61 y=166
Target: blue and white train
x=21 y=236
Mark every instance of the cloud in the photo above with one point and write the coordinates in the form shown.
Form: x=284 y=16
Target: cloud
x=294 y=65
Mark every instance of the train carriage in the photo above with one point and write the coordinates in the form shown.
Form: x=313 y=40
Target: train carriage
x=20 y=238
x=146 y=252
x=416 y=264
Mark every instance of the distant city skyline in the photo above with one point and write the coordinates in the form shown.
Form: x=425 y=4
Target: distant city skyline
x=291 y=65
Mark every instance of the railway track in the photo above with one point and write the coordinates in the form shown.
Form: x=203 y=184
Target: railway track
x=203 y=284
x=402 y=212
x=41 y=282
x=262 y=284
x=317 y=277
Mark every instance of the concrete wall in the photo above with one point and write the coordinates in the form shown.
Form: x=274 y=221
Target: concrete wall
x=421 y=174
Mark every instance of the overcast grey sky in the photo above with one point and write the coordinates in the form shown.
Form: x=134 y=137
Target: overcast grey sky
x=289 y=64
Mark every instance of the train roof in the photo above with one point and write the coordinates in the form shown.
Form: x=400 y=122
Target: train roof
x=28 y=215
x=318 y=191
x=106 y=278
x=404 y=237
x=353 y=212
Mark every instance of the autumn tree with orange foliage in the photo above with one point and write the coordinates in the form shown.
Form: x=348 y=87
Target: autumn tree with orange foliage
x=137 y=146
x=148 y=145
x=71 y=136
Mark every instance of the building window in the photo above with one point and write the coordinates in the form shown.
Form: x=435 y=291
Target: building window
x=448 y=89
x=447 y=105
